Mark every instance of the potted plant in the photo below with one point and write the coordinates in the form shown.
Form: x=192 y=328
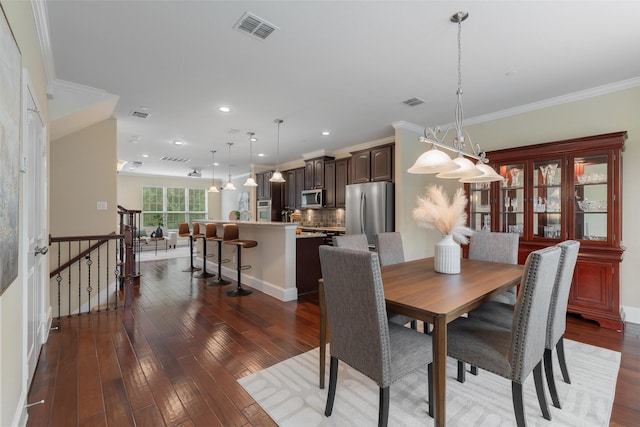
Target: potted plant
x=160 y=223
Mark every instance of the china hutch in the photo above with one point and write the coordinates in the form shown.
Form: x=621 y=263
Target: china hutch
x=558 y=191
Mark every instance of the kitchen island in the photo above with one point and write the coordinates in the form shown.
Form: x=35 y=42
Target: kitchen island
x=273 y=261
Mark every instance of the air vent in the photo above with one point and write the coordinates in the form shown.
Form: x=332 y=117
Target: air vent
x=140 y=114
x=134 y=165
x=255 y=26
x=412 y=102
x=234 y=131
x=174 y=159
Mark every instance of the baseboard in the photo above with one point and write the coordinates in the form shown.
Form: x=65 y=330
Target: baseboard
x=630 y=314
x=21 y=415
x=270 y=289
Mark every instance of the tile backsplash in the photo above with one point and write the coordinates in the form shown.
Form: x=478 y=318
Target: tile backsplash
x=322 y=217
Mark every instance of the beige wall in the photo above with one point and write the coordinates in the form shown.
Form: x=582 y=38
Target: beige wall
x=130 y=190
x=82 y=169
x=13 y=356
x=613 y=112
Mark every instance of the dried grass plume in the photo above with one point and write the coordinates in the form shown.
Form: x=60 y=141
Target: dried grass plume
x=434 y=211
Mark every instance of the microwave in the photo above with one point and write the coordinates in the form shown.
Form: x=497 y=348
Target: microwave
x=313 y=199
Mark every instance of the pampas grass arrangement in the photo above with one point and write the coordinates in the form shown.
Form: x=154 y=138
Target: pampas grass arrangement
x=434 y=211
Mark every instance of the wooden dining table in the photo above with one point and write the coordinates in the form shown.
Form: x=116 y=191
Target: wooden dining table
x=415 y=289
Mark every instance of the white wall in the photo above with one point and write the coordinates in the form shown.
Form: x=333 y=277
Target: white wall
x=617 y=111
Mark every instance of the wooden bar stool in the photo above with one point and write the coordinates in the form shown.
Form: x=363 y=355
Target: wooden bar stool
x=219 y=281
x=239 y=243
x=204 y=274
x=183 y=231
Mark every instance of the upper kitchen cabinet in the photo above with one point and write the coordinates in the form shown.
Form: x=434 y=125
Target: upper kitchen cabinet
x=314 y=172
x=558 y=191
x=292 y=189
x=336 y=178
x=375 y=164
x=263 y=192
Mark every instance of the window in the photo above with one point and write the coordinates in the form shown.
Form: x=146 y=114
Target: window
x=170 y=206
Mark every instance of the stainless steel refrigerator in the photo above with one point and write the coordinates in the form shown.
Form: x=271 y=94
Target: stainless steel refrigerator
x=370 y=209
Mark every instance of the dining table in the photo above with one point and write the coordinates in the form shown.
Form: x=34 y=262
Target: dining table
x=415 y=289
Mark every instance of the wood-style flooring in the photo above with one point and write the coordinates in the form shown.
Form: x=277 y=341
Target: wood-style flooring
x=173 y=358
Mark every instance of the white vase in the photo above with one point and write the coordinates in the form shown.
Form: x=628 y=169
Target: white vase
x=447 y=256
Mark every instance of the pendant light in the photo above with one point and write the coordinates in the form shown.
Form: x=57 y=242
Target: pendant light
x=250 y=181
x=277 y=176
x=229 y=185
x=436 y=161
x=213 y=188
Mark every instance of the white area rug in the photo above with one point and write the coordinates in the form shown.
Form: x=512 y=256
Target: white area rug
x=289 y=393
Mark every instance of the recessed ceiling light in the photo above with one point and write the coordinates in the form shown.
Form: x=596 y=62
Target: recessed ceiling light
x=326 y=133
x=224 y=109
x=145 y=155
x=178 y=142
x=260 y=154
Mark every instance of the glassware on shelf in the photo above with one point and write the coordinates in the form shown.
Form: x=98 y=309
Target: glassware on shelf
x=514 y=204
x=515 y=177
x=507 y=203
x=544 y=170
x=505 y=181
x=551 y=173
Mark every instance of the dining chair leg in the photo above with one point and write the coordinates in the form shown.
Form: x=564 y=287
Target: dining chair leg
x=548 y=371
x=333 y=379
x=414 y=325
x=461 y=371
x=430 y=385
x=383 y=411
x=474 y=370
x=542 y=400
x=563 y=362
x=518 y=406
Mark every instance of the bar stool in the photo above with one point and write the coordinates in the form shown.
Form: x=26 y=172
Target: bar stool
x=204 y=274
x=183 y=231
x=219 y=281
x=239 y=243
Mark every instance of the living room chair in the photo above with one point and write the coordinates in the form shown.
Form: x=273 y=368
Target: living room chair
x=361 y=334
x=351 y=241
x=501 y=314
x=515 y=352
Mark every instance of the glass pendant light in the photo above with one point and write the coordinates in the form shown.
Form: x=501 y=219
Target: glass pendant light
x=250 y=182
x=213 y=188
x=277 y=176
x=229 y=185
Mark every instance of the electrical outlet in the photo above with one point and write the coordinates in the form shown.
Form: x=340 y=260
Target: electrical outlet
x=101 y=206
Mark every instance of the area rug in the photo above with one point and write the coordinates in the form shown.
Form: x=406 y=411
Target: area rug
x=289 y=393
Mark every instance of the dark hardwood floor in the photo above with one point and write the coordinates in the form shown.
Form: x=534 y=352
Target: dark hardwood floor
x=174 y=357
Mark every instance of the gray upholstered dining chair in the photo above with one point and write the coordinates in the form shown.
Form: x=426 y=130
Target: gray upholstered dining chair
x=359 y=242
x=501 y=314
x=361 y=335
x=351 y=241
x=515 y=352
x=496 y=247
x=389 y=247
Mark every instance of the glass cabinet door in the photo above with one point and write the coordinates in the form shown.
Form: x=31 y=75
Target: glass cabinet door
x=591 y=198
x=511 y=201
x=547 y=199
x=479 y=206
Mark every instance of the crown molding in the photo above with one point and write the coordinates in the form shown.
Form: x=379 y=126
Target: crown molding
x=41 y=19
x=539 y=105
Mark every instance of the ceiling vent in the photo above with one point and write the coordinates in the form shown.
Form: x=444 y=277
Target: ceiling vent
x=174 y=159
x=140 y=114
x=255 y=26
x=412 y=102
x=134 y=165
x=195 y=173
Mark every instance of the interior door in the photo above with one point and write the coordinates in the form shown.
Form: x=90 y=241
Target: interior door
x=35 y=226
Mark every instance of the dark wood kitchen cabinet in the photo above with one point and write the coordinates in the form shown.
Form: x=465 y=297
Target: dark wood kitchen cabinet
x=263 y=192
x=308 y=270
x=375 y=164
x=314 y=172
x=336 y=178
x=292 y=190
x=558 y=191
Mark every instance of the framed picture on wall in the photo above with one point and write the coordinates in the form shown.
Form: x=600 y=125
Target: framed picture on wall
x=10 y=108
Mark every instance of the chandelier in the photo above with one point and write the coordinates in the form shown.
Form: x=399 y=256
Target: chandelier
x=436 y=161
x=277 y=176
x=229 y=185
x=213 y=188
x=250 y=182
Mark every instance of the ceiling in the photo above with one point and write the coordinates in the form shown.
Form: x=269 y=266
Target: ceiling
x=341 y=66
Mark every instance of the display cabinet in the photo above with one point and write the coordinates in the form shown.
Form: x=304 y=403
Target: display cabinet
x=558 y=191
